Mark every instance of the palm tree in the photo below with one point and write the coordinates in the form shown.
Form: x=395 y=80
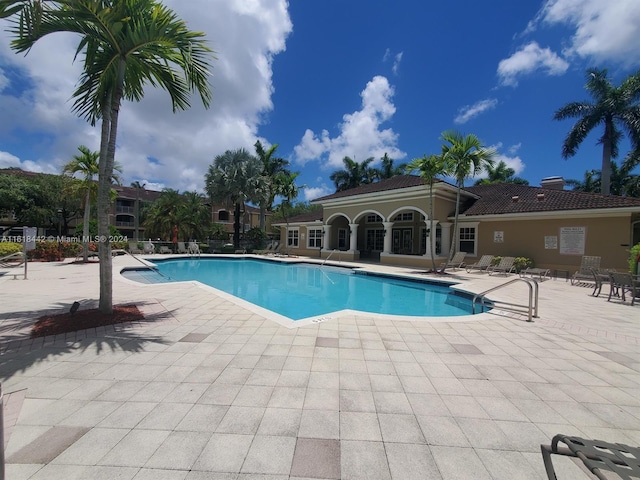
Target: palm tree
x=623 y=182
x=429 y=167
x=353 y=175
x=126 y=44
x=289 y=191
x=235 y=177
x=464 y=156
x=271 y=168
x=616 y=108
x=194 y=215
x=86 y=165
x=501 y=174
x=388 y=170
x=162 y=215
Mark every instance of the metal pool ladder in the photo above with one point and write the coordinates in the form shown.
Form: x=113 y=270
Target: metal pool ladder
x=531 y=310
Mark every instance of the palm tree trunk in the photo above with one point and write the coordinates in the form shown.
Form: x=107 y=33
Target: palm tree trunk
x=605 y=171
x=108 y=148
x=263 y=214
x=236 y=226
x=452 y=251
x=432 y=232
x=85 y=226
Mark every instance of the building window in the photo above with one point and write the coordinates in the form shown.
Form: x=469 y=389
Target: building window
x=342 y=239
x=375 y=240
x=293 y=237
x=467 y=240
x=315 y=238
x=223 y=216
x=404 y=217
x=374 y=218
x=423 y=241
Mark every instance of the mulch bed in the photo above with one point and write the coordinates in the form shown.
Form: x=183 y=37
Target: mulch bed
x=83 y=319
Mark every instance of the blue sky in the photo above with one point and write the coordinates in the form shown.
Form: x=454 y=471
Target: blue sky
x=330 y=78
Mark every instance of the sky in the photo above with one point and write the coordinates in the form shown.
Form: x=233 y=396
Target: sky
x=325 y=79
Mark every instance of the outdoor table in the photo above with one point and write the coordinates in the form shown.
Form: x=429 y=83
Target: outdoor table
x=596 y=455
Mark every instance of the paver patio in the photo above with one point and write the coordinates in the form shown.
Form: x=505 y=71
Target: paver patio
x=207 y=388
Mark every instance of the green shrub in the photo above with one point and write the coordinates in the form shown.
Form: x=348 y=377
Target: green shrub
x=634 y=258
x=7 y=248
x=522 y=263
x=495 y=261
x=46 y=250
x=256 y=237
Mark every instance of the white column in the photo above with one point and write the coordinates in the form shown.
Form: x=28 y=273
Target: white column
x=326 y=244
x=446 y=238
x=431 y=236
x=353 y=238
x=387 y=236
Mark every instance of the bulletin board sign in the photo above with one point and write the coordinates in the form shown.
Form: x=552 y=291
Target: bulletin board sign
x=572 y=240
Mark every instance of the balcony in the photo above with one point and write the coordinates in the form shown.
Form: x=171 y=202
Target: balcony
x=125 y=209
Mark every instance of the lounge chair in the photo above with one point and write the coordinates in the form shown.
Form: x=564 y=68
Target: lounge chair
x=133 y=248
x=165 y=250
x=623 y=283
x=506 y=266
x=149 y=247
x=182 y=248
x=482 y=264
x=585 y=274
x=193 y=248
x=456 y=262
x=270 y=248
x=12 y=260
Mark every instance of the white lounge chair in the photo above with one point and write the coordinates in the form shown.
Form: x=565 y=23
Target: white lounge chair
x=182 y=248
x=193 y=249
x=456 y=262
x=133 y=248
x=482 y=264
x=506 y=266
x=148 y=247
x=12 y=260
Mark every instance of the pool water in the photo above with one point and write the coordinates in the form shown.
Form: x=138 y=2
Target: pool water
x=302 y=290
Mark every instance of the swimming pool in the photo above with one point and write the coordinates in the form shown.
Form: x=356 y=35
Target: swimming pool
x=303 y=290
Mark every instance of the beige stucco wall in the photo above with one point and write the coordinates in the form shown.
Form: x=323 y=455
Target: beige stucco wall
x=605 y=237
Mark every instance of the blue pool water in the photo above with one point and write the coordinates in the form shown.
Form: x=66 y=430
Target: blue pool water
x=301 y=290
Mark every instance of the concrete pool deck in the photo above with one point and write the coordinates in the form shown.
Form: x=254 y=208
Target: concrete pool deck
x=206 y=388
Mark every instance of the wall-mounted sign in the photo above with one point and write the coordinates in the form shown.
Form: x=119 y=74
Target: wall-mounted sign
x=572 y=240
x=498 y=237
x=551 y=242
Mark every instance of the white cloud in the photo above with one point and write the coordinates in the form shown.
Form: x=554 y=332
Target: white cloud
x=604 y=30
x=312 y=193
x=245 y=36
x=511 y=159
x=468 y=112
x=8 y=160
x=397 y=58
x=528 y=59
x=360 y=134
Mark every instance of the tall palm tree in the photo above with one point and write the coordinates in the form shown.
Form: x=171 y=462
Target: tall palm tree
x=501 y=174
x=623 y=182
x=388 y=169
x=235 y=177
x=194 y=215
x=353 y=175
x=289 y=191
x=429 y=167
x=615 y=108
x=86 y=164
x=464 y=156
x=127 y=44
x=271 y=167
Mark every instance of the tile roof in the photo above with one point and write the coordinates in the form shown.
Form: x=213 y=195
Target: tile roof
x=303 y=217
x=393 y=183
x=498 y=199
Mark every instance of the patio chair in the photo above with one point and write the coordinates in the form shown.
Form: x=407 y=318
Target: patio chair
x=584 y=273
x=182 y=248
x=149 y=247
x=481 y=265
x=456 y=262
x=270 y=248
x=165 y=250
x=13 y=260
x=133 y=248
x=194 y=249
x=601 y=277
x=506 y=266
x=622 y=283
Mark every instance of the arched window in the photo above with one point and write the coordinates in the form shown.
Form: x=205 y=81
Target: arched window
x=223 y=216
